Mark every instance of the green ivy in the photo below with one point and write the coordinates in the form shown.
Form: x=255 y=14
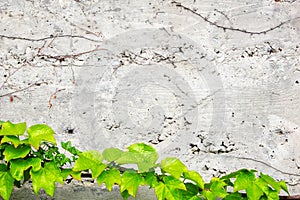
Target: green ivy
x=32 y=154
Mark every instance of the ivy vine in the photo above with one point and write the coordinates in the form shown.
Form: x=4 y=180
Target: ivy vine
x=32 y=154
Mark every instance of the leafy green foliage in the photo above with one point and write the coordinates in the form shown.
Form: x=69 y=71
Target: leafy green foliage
x=130 y=182
x=13 y=140
x=173 y=166
x=34 y=155
x=38 y=133
x=262 y=187
x=6 y=184
x=215 y=189
x=168 y=188
x=90 y=160
x=277 y=186
x=8 y=128
x=194 y=176
x=46 y=177
x=69 y=172
x=29 y=156
x=234 y=196
x=151 y=179
x=18 y=167
x=68 y=146
x=110 y=177
x=49 y=152
x=112 y=154
x=141 y=154
x=3 y=167
x=11 y=152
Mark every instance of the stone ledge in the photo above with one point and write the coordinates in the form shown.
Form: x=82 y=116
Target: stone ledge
x=79 y=192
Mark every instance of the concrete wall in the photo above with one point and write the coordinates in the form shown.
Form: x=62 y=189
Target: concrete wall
x=215 y=83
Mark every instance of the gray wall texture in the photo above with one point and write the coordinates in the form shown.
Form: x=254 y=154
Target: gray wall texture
x=215 y=83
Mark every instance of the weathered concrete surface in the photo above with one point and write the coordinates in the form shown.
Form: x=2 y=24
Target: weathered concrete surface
x=215 y=83
x=80 y=192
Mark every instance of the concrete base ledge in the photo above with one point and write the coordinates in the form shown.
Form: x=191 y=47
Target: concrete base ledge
x=80 y=192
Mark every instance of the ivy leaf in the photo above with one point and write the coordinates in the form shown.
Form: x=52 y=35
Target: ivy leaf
x=3 y=168
x=161 y=191
x=173 y=166
x=190 y=194
x=98 y=170
x=66 y=172
x=35 y=163
x=268 y=179
x=244 y=180
x=109 y=177
x=263 y=185
x=125 y=194
x=194 y=176
x=87 y=160
x=130 y=182
x=90 y=160
x=68 y=146
x=112 y=154
x=8 y=128
x=169 y=188
x=254 y=192
x=13 y=140
x=216 y=189
x=174 y=183
x=143 y=161
x=18 y=167
x=284 y=187
x=141 y=148
x=234 y=196
x=192 y=188
x=38 y=133
x=236 y=173
x=141 y=154
x=45 y=178
x=273 y=195
x=11 y=152
x=6 y=184
x=151 y=179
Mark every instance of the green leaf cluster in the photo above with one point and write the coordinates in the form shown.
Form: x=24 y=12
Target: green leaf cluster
x=32 y=154
x=29 y=154
x=261 y=187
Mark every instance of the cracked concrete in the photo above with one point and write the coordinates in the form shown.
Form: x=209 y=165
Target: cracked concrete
x=214 y=83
